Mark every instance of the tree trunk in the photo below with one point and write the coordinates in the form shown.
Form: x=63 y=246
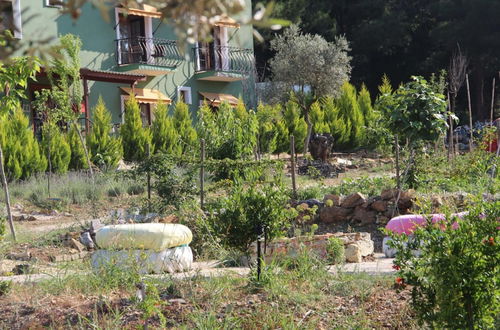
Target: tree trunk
x=7 y=196
x=84 y=145
x=309 y=132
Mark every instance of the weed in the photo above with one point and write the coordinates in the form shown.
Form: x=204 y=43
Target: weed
x=335 y=249
x=5 y=287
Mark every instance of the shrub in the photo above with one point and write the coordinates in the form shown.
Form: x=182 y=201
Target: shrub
x=106 y=151
x=135 y=138
x=236 y=218
x=267 y=116
x=317 y=114
x=335 y=249
x=115 y=191
x=2 y=228
x=5 y=287
x=23 y=156
x=184 y=127
x=165 y=137
x=135 y=189
x=296 y=124
x=455 y=280
x=350 y=113
x=282 y=136
x=60 y=152
x=78 y=159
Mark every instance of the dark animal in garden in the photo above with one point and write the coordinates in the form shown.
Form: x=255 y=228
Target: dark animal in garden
x=320 y=146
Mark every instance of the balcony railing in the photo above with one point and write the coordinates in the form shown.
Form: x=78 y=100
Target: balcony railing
x=223 y=58
x=153 y=51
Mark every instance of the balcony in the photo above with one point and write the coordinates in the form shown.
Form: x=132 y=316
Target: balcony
x=222 y=63
x=148 y=56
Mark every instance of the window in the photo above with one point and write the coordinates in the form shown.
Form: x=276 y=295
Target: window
x=184 y=94
x=147 y=113
x=54 y=3
x=134 y=34
x=10 y=17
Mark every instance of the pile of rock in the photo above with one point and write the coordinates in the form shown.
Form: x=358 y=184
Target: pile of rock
x=357 y=246
x=356 y=207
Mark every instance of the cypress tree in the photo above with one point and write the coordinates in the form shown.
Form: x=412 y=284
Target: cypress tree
x=184 y=126
x=296 y=124
x=318 y=119
x=165 y=138
x=350 y=113
x=60 y=151
x=106 y=151
x=268 y=137
x=339 y=128
x=135 y=138
x=365 y=105
x=78 y=159
x=282 y=136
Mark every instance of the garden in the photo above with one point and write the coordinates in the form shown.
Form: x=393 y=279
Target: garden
x=272 y=237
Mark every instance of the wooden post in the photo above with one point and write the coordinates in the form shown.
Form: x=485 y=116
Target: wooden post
x=292 y=155
x=470 y=111
x=450 y=133
x=457 y=148
x=202 y=173
x=89 y=164
x=86 y=103
x=398 y=179
x=492 y=101
x=148 y=152
x=7 y=196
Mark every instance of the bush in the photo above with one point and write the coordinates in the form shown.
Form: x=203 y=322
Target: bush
x=23 y=155
x=267 y=115
x=184 y=127
x=106 y=151
x=78 y=159
x=296 y=124
x=317 y=114
x=135 y=137
x=115 y=191
x=235 y=219
x=455 y=280
x=60 y=152
x=335 y=249
x=165 y=137
x=5 y=287
x=351 y=115
x=2 y=228
x=135 y=189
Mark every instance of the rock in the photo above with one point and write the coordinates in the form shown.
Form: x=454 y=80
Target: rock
x=334 y=198
x=437 y=201
x=389 y=194
x=379 y=206
x=353 y=253
x=311 y=202
x=95 y=225
x=364 y=216
x=334 y=214
x=365 y=245
x=24 y=256
x=353 y=200
x=407 y=195
x=172 y=218
x=86 y=240
x=21 y=269
x=76 y=245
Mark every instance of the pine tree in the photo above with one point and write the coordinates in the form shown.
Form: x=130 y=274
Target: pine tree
x=266 y=116
x=365 y=105
x=78 y=159
x=135 y=137
x=282 y=136
x=23 y=156
x=165 y=138
x=318 y=119
x=106 y=151
x=60 y=152
x=184 y=126
x=296 y=124
x=339 y=128
x=350 y=113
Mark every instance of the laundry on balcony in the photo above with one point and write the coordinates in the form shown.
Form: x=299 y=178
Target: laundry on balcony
x=145 y=95
x=216 y=99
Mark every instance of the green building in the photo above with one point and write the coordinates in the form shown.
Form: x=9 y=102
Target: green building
x=136 y=51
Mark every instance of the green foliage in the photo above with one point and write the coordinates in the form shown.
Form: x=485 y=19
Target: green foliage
x=350 y=114
x=184 y=127
x=455 y=280
x=228 y=133
x=23 y=155
x=338 y=127
x=267 y=115
x=2 y=228
x=135 y=138
x=318 y=119
x=60 y=152
x=165 y=137
x=106 y=151
x=14 y=77
x=282 y=136
x=5 y=287
x=235 y=218
x=296 y=124
x=336 y=251
x=78 y=159
x=418 y=113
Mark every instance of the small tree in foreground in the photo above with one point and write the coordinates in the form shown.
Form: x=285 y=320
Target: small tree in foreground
x=78 y=160
x=184 y=126
x=165 y=137
x=455 y=281
x=135 y=137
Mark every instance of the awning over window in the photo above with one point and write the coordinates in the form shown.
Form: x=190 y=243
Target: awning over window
x=216 y=99
x=147 y=95
x=144 y=10
x=227 y=22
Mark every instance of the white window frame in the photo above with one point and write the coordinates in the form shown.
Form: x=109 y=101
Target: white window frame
x=187 y=90
x=16 y=18
x=48 y=4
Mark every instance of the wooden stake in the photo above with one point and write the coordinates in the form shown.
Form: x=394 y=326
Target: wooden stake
x=148 y=152
x=470 y=111
x=398 y=179
x=89 y=164
x=292 y=154
x=202 y=174
x=450 y=134
x=7 y=196
x=492 y=101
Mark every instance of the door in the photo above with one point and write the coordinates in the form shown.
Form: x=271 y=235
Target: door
x=132 y=41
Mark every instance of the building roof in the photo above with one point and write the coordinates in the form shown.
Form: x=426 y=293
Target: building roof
x=111 y=76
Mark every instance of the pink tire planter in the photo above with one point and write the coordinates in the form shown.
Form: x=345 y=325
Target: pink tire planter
x=406 y=224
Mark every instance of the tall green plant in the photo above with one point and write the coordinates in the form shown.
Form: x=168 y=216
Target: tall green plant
x=282 y=136
x=135 y=137
x=60 y=151
x=339 y=128
x=318 y=121
x=267 y=115
x=184 y=126
x=78 y=160
x=165 y=137
x=297 y=126
x=350 y=112
x=106 y=150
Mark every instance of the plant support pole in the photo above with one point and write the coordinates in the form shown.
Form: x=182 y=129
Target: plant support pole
x=7 y=197
x=202 y=173
x=470 y=111
x=492 y=101
x=398 y=179
x=148 y=151
x=292 y=154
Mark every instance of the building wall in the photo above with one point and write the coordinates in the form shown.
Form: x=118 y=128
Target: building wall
x=40 y=22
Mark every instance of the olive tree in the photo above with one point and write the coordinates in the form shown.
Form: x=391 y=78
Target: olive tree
x=311 y=65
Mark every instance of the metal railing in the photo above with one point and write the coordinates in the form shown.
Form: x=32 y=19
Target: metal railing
x=210 y=57
x=142 y=50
